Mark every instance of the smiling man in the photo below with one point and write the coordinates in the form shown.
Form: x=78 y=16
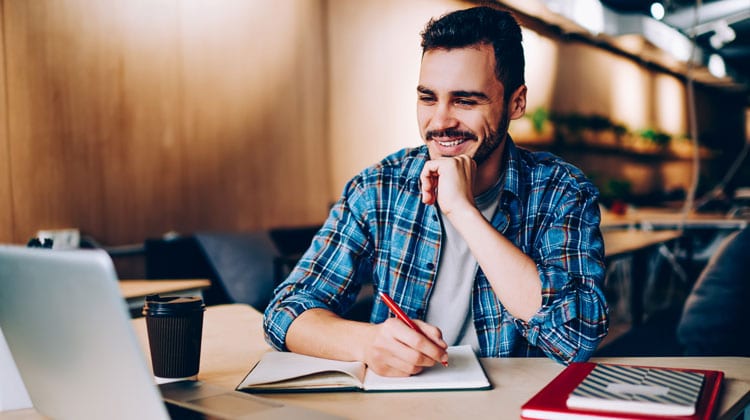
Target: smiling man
x=477 y=240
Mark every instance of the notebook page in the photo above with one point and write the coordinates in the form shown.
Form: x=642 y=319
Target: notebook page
x=278 y=366
x=463 y=372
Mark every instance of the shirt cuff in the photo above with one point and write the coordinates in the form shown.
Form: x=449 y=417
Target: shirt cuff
x=280 y=315
x=548 y=318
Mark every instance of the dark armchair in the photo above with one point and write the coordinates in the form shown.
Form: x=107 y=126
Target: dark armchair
x=715 y=317
x=712 y=321
x=244 y=267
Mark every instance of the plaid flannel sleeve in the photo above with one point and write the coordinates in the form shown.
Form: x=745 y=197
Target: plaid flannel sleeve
x=573 y=317
x=325 y=275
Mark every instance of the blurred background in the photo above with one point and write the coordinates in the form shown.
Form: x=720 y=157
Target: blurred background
x=131 y=119
x=192 y=137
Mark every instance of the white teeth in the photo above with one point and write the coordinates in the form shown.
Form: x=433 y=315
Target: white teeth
x=450 y=143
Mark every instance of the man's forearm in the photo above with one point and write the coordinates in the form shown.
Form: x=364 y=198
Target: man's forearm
x=390 y=349
x=512 y=274
x=321 y=333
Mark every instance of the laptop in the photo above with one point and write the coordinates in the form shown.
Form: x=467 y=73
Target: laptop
x=70 y=334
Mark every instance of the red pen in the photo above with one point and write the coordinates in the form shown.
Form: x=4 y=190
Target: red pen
x=405 y=319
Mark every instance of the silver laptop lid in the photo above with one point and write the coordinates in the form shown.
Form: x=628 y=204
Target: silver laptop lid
x=69 y=331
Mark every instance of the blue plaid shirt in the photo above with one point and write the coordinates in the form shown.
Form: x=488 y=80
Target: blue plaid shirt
x=380 y=231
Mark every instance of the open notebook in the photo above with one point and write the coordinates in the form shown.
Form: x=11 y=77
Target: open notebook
x=291 y=372
x=70 y=334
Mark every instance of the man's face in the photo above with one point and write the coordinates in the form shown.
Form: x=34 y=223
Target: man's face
x=460 y=106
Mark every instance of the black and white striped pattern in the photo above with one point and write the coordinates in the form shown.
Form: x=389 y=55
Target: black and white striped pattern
x=683 y=387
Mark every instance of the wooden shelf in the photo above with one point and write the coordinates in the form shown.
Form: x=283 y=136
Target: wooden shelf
x=656 y=155
x=673 y=152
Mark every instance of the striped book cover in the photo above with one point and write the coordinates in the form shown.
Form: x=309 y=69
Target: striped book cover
x=551 y=402
x=634 y=389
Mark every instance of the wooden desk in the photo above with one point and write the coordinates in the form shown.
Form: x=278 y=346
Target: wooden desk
x=233 y=343
x=670 y=219
x=135 y=291
x=620 y=242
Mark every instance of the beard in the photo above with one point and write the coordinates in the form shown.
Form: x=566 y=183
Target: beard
x=492 y=141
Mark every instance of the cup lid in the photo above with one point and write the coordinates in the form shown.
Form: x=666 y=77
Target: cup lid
x=171 y=305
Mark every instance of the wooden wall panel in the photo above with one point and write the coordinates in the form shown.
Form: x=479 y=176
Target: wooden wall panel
x=593 y=81
x=6 y=203
x=132 y=118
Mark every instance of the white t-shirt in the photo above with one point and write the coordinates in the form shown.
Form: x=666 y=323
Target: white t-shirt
x=450 y=302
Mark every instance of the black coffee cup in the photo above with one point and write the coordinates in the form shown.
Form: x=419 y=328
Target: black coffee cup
x=175 y=327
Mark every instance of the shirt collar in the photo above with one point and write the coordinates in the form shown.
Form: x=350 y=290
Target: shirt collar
x=511 y=172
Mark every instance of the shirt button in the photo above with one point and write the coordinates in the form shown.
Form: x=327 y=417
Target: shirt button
x=430 y=266
x=434 y=217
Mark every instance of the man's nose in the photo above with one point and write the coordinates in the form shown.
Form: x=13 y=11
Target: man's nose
x=443 y=117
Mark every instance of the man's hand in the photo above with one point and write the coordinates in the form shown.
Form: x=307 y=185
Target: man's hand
x=397 y=350
x=455 y=176
x=389 y=349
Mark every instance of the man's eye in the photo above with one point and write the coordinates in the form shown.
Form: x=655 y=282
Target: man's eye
x=426 y=99
x=466 y=102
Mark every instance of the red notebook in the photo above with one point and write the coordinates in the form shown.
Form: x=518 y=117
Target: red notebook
x=551 y=401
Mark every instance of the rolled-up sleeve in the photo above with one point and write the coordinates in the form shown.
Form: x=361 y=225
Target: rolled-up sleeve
x=573 y=317
x=325 y=275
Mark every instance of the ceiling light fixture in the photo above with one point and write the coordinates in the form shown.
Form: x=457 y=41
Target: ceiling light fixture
x=657 y=10
x=716 y=66
x=723 y=34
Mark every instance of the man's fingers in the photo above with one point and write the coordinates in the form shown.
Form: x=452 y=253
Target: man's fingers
x=400 y=351
x=429 y=181
x=432 y=332
x=429 y=347
x=455 y=175
x=396 y=367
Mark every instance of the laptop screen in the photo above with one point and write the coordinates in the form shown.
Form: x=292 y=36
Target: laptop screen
x=68 y=329
x=70 y=333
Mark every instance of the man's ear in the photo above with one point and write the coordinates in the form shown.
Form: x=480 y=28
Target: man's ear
x=517 y=103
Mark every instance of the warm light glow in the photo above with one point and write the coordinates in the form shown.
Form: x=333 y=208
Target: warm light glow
x=629 y=98
x=657 y=10
x=670 y=104
x=541 y=56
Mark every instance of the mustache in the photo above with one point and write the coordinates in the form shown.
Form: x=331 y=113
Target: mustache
x=451 y=132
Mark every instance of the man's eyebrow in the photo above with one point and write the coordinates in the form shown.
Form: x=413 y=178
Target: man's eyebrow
x=470 y=94
x=457 y=93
